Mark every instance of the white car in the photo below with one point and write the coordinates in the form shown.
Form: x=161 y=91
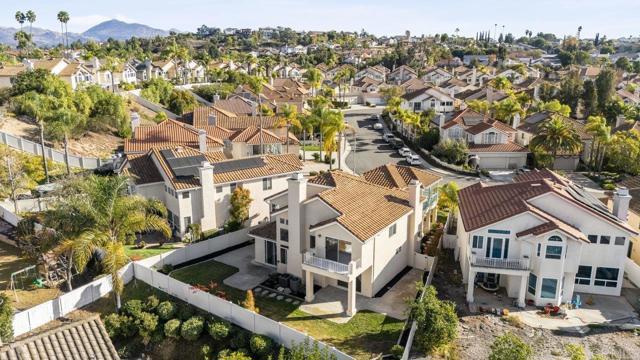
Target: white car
x=377 y=126
x=413 y=159
x=404 y=151
x=387 y=136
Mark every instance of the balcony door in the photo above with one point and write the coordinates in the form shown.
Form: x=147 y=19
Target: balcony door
x=338 y=250
x=497 y=248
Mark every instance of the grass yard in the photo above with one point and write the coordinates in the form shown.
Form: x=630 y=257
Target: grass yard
x=138 y=254
x=311 y=148
x=364 y=336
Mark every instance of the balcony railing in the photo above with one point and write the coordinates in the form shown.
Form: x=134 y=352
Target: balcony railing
x=511 y=264
x=330 y=265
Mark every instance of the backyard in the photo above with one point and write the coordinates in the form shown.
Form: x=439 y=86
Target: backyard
x=151 y=250
x=366 y=335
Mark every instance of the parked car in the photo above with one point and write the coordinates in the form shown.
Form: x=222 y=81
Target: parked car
x=388 y=136
x=414 y=159
x=404 y=151
x=373 y=118
x=378 y=126
x=396 y=143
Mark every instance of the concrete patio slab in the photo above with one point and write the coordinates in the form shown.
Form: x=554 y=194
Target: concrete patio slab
x=249 y=274
x=330 y=303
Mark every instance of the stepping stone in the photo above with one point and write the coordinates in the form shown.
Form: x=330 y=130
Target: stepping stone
x=287 y=291
x=265 y=292
x=272 y=295
x=280 y=297
x=296 y=302
x=257 y=289
x=280 y=289
x=287 y=300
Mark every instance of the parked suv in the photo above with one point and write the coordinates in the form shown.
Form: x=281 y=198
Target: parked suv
x=388 y=137
x=396 y=143
x=414 y=159
x=404 y=151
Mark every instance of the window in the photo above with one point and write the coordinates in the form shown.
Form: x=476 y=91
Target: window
x=593 y=238
x=548 y=288
x=399 y=250
x=233 y=186
x=392 y=230
x=284 y=234
x=185 y=195
x=477 y=242
x=604 y=239
x=283 y=255
x=284 y=221
x=555 y=238
x=553 y=252
x=583 y=276
x=187 y=221
x=312 y=241
x=417 y=106
x=218 y=189
x=266 y=184
x=494 y=231
x=538 y=252
x=533 y=281
x=607 y=277
x=619 y=240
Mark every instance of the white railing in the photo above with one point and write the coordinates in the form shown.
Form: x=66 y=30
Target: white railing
x=511 y=264
x=326 y=264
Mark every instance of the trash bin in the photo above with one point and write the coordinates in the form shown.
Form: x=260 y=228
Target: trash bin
x=295 y=284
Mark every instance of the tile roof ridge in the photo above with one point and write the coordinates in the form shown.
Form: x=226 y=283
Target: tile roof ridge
x=363 y=180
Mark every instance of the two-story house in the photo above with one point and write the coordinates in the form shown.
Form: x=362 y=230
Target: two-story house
x=123 y=73
x=542 y=238
x=401 y=74
x=348 y=231
x=428 y=98
x=437 y=76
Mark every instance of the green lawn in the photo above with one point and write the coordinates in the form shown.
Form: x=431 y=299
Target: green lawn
x=149 y=251
x=364 y=336
x=311 y=148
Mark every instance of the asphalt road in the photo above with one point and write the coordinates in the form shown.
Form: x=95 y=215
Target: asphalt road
x=372 y=151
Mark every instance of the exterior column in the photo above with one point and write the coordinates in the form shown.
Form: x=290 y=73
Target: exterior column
x=470 y=285
x=523 y=290
x=309 y=296
x=351 y=298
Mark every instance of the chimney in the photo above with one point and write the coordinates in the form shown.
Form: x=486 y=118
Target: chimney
x=536 y=92
x=135 y=122
x=216 y=98
x=208 y=199
x=440 y=122
x=415 y=219
x=620 y=119
x=474 y=77
x=202 y=140
x=297 y=193
x=621 y=200
x=516 y=120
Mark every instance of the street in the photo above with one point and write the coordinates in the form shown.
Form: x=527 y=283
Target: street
x=372 y=151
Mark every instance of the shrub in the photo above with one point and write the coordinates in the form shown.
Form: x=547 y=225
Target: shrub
x=260 y=345
x=307 y=351
x=451 y=151
x=436 y=320
x=166 y=310
x=112 y=323
x=185 y=312
x=239 y=339
x=575 y=352
x=192 y=328
x=132 y=307
x=152 y=303
x=206 y=351
x=430 y=139
x=219 y=330
x=172 y=328
x=141 y=245
x=316 y=156
x=509 y=346
x=397 y=350
x=328 y=158
x=236 y=355
x=6 y=318
x=147 y=324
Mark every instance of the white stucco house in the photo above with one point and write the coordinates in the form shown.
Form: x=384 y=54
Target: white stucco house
x=347 y=231
x=428 y=98
x=542 y=238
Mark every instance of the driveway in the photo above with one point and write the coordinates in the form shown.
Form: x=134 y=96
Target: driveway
x=249 y=274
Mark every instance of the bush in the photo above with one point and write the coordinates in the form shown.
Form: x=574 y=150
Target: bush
x=509 y=346
x=451 y=151
x=430 y=139
x=147 y=324
x=436 y=320
x=236 y=355
x=112 y=324
x=239 y=339
x=166 y=310
x=141 y=244
x=316 y=156
x=328 y=158
x=575 y=352
x=219 y=330
x=192 y=328
x=172 y=328
x=152 y=303
x=133 y=307
x=206 y=351
x=6 y=318
x=260 y=345
x=397 y=350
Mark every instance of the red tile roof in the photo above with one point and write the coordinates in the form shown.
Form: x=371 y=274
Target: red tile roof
x=506 y=147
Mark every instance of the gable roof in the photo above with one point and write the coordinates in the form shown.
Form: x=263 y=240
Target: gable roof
x=531 y=123
x=430 y=91
x=475 y=122
x=172 y=133
x=79 y=340
x=397 y=176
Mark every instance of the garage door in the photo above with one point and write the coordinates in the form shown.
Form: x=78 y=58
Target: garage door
x=492 y=162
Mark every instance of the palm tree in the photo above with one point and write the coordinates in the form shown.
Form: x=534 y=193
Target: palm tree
x=319 y=109
x=332 y=126
x=556 y=135
x=110 y=65
x=579 y=31
x=20 y=18
x=30 y=16
x=306 y=123
x=448 y=196
x=289 y=118
x=601 y=132
x=313 y=77
x=256 y=83
x=112 y=218
x=64 y=17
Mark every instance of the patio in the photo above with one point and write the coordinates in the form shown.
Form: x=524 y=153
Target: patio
x=249 y=274
x=330 y=303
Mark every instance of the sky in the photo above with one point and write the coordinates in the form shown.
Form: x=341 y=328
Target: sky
x=614 y=18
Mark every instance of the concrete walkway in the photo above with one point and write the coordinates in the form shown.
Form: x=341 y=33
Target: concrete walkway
x=249 y=274
x=330 y=303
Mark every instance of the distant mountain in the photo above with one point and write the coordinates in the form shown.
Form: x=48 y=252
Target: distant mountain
x=115 y=29
x=121 y=30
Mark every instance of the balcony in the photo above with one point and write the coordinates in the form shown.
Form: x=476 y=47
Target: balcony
x=330 y=265
x=494 y=263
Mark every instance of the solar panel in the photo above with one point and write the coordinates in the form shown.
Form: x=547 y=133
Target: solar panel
x=183 y=167
x=589 y=200
x=240 y=164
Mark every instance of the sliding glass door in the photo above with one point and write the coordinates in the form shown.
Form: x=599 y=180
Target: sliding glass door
x=338 y=250
x=270 y=253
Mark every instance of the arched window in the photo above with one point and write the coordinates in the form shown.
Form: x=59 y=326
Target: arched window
x=555 y=238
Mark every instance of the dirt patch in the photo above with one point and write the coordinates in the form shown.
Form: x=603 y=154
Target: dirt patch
x=92 y=144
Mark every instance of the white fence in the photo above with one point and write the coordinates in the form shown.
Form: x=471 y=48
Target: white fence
x=198 y=249
x=227 y=310
x=39 y=315
x=633 y=271
x=34 y=148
